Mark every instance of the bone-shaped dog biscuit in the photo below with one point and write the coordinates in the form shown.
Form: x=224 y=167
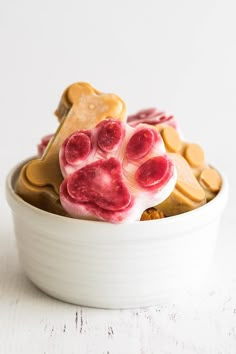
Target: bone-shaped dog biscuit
x=208 y=177
x=70 y=96
x=42 y=197
x=187 y=195
x=84 y=107
x=193 y=153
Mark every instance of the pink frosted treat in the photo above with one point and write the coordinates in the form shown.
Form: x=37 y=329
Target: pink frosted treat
x=114 y=172
x=152 y=116
x=43 y=144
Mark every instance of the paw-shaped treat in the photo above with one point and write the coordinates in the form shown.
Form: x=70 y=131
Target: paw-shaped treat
x=153 y=117
x=41 y=147
x=114 y=172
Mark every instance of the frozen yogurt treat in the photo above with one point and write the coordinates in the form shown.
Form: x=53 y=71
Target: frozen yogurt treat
x=41 y=147
x=152 y=116
x=101 y=165
x=81 y=107
x=113 y=172
x=197 y=182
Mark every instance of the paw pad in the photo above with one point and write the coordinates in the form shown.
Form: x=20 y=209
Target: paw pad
x=114 y=172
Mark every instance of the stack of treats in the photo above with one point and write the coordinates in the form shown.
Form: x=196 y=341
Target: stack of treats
x=83 y=107
x=197 y=182
x=80 y=107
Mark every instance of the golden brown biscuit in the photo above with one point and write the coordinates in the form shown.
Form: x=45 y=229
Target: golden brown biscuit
x=197 y=183
x=70 y=97
x=81 y=107
x=211 y=181
x=151 y=214
x=187 y=195
x=208 y=178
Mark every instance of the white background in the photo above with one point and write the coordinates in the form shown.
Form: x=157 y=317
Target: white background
x=177 y=55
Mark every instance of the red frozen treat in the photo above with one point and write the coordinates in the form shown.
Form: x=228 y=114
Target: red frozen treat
x=43 y=144
x=114 y=172
x=152 y=116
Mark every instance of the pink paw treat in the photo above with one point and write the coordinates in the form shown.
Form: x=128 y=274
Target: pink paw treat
x=44 y=143
x=113 y=172
x=152 y=116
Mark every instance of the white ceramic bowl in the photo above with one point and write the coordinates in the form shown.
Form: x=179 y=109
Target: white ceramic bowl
x=104 y=265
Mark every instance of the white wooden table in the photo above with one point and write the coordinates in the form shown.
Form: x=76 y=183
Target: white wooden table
x=32 y=322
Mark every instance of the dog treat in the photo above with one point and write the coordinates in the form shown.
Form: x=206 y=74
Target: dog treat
x=81 y=107
x=70 y=97
x=211 y=181
x=114 y=172
x=203 y=182
x=197 y=183
x=152 y=214
x=193 y=153
x=152 y=116
x=188 y=193
x=208 y=177
x=99 y=166
x=41 y=147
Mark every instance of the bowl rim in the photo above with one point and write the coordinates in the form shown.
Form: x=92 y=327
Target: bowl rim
x=219 y=200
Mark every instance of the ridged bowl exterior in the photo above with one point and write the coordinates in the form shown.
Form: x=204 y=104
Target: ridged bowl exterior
x=104 y=265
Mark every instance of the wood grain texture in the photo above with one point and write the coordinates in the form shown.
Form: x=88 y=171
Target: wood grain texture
x=32 y=322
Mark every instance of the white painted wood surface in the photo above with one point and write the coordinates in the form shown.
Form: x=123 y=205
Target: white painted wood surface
x=32 y=322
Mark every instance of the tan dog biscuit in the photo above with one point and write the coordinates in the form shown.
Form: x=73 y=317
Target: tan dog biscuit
x=193 y=153
x=208 y=178
x=171 y=139
x=211 y=181
x=82 y=107
x=44 y=198
x=69 y=97
x=187 y=195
